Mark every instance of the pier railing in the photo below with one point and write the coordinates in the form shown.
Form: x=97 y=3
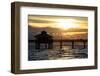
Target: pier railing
x=72 y=41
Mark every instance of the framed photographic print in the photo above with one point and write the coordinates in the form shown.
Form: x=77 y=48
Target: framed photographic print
x=52 y=37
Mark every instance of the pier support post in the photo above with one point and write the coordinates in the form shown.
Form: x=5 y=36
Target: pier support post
x=84 y=46
x=60 y=44
x=72 y=44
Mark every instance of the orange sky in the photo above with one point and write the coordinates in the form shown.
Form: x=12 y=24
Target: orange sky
x=60 y=22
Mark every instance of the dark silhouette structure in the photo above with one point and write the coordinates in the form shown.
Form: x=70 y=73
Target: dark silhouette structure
x=44 y=39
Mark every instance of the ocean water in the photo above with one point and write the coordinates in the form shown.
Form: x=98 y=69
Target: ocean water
x=67 y=52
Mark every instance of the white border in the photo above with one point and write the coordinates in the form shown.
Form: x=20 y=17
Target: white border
x=25 y=64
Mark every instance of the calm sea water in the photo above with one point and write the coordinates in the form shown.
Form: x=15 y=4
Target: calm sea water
x=56 y=53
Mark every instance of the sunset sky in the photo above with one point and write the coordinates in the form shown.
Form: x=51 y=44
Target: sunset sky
x=73 y=25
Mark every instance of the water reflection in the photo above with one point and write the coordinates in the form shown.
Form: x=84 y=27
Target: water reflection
x=56 y=53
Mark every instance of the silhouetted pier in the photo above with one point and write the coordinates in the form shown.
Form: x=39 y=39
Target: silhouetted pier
x=72 y=41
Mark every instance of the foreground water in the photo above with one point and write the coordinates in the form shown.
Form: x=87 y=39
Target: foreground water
x=56 y=53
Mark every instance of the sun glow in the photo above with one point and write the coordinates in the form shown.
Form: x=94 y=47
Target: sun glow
x=66 y=24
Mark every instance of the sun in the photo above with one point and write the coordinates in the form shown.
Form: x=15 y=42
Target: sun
x=66 y=23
